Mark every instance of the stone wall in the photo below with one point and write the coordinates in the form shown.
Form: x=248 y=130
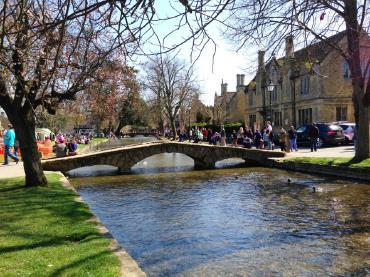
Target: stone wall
x=204 y=155
x=329 y=170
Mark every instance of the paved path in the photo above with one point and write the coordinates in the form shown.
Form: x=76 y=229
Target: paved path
x=13 y=170
x=341 y=151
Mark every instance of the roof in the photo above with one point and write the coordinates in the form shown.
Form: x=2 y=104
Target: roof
x=227 y=97
x=319 y=50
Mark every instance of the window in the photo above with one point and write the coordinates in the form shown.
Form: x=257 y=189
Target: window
x=250 y=98
x=278 y=118
x=341 y=114
x=274 y=94
x=345 y=69
x=252 y=119
x=305 y=116
x=305 y=85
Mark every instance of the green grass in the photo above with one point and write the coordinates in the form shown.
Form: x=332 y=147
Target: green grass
x=94 y=141
x=44 y=232
x=350 y=162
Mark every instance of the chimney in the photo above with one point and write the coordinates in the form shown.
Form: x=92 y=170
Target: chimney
x=237 y=80
x=223 y=88
x=261 y=59
x=242 y=76
x=289 y=47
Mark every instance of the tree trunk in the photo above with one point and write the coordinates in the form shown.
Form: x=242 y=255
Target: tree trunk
x=362 y=147
x=173 y=127
x=358 y=84
x=25 y=133
x=118 y=129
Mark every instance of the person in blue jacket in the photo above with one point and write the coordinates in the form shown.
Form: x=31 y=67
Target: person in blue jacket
x=9 y=138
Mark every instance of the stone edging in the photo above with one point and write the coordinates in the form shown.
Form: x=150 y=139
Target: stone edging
x=129 y=267
x=330 y=170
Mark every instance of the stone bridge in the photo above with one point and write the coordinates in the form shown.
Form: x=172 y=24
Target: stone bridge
x=205 y=156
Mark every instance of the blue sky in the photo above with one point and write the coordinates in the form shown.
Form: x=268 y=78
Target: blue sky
x=226 y=61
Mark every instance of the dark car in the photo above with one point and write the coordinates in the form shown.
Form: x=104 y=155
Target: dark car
x=348 y=131
x=329 y=134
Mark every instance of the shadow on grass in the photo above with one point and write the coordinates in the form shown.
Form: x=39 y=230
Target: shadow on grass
x=45 y=219
x=352 y=161
x=13 y=188
x=78 y=263
x=345 y=162
x=54 y=241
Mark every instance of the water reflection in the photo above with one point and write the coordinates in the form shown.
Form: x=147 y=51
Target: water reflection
x=229 y=222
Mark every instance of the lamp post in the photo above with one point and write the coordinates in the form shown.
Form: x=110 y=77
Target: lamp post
x=270 y=88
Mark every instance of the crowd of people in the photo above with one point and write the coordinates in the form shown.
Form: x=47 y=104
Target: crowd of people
x=248 y=137
x=66 y=145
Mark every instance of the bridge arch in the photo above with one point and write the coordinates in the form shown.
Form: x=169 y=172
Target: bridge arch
x=133 y=157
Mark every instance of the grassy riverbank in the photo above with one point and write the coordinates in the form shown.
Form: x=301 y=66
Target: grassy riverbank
x=44 y=231
x=93 y=142
x=350 y=162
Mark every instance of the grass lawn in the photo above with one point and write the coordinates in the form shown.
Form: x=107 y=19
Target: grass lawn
x=94 y=141
x=44 y=232
x=350 y=162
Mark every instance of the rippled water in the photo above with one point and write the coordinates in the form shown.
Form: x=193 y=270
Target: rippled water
x=236 y=222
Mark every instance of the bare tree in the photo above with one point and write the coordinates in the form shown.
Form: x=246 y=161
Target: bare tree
x=172 y=84
x=268 y=22
x=47 y=56
x=50 y=50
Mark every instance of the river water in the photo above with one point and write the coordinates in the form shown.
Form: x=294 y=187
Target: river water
x=234 y=222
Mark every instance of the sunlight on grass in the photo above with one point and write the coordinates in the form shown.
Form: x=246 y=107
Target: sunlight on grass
x=94 y=141
x=350 y=162
x=43 y=231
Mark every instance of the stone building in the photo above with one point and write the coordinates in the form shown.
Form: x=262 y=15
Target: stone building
x=309 y=85
x=230 y=105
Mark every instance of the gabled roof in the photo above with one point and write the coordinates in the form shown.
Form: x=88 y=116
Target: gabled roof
x=319 y=50
x=226 y=98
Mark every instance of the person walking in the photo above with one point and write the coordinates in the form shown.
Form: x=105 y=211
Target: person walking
x=258 y=141
x=235 y=138
x=270 y=142
x=313 y=134
x=282 y=140
x=223 y=137
x=9 y=138
x=292 y=138
x=265 y=137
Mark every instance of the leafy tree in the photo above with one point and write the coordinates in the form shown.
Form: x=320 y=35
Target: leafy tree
x=105 y=97
x=53 y=122
x=199 y=117
x=134 y=111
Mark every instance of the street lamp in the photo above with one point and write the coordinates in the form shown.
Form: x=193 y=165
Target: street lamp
x=270 y=88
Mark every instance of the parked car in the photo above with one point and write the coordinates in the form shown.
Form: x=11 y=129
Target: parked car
x=329 y=134
x=348 y=131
